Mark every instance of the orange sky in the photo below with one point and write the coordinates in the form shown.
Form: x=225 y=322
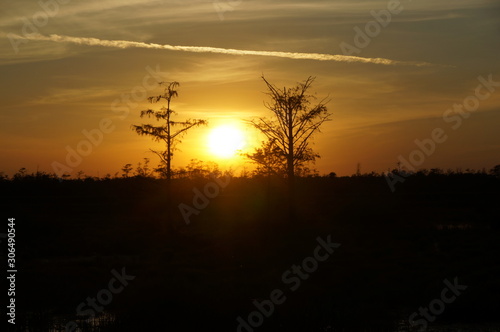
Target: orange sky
x=52 y=91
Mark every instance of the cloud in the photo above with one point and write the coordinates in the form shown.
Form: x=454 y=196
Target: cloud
x=204 y=49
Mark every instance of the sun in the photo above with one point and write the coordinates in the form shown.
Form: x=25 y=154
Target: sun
x=225 y=141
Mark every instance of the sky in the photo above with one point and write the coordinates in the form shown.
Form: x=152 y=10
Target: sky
x=392 y=71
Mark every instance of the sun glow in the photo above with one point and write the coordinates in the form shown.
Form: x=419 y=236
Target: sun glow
x=225 y=141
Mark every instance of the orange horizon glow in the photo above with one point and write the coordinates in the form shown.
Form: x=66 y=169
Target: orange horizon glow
x=53 y=91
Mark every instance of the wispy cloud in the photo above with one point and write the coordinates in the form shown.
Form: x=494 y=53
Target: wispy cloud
x=205 y=49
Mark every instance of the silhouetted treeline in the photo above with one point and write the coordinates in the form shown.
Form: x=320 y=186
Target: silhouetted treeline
x=199 y=169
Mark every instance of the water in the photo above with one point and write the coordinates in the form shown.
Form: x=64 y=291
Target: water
x=57 y=323
x=106 y=321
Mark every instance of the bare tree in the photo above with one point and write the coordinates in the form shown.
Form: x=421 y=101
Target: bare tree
x=165 y=132
x=293 y=124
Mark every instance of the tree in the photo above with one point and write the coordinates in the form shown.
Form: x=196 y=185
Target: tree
x=269 y=159
x=21 y=174
x=142 y=170
x=126 y=169
x=292 y=126
x=165 y=132
x=495 y=171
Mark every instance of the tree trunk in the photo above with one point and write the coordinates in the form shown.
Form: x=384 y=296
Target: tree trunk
x=290 y=169
x=169 y=222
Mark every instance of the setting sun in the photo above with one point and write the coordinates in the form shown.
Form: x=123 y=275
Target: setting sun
x=225 y=141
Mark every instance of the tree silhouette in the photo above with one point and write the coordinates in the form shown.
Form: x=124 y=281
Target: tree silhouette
x=268 y=158
x=126 y=169
x=290 y=129
x=270 y=161
x=165 y=132
x=495 y=171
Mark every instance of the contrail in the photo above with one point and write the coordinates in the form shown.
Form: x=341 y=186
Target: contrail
x=204 y=49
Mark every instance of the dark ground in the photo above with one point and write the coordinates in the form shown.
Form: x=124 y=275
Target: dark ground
x=396 y=250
